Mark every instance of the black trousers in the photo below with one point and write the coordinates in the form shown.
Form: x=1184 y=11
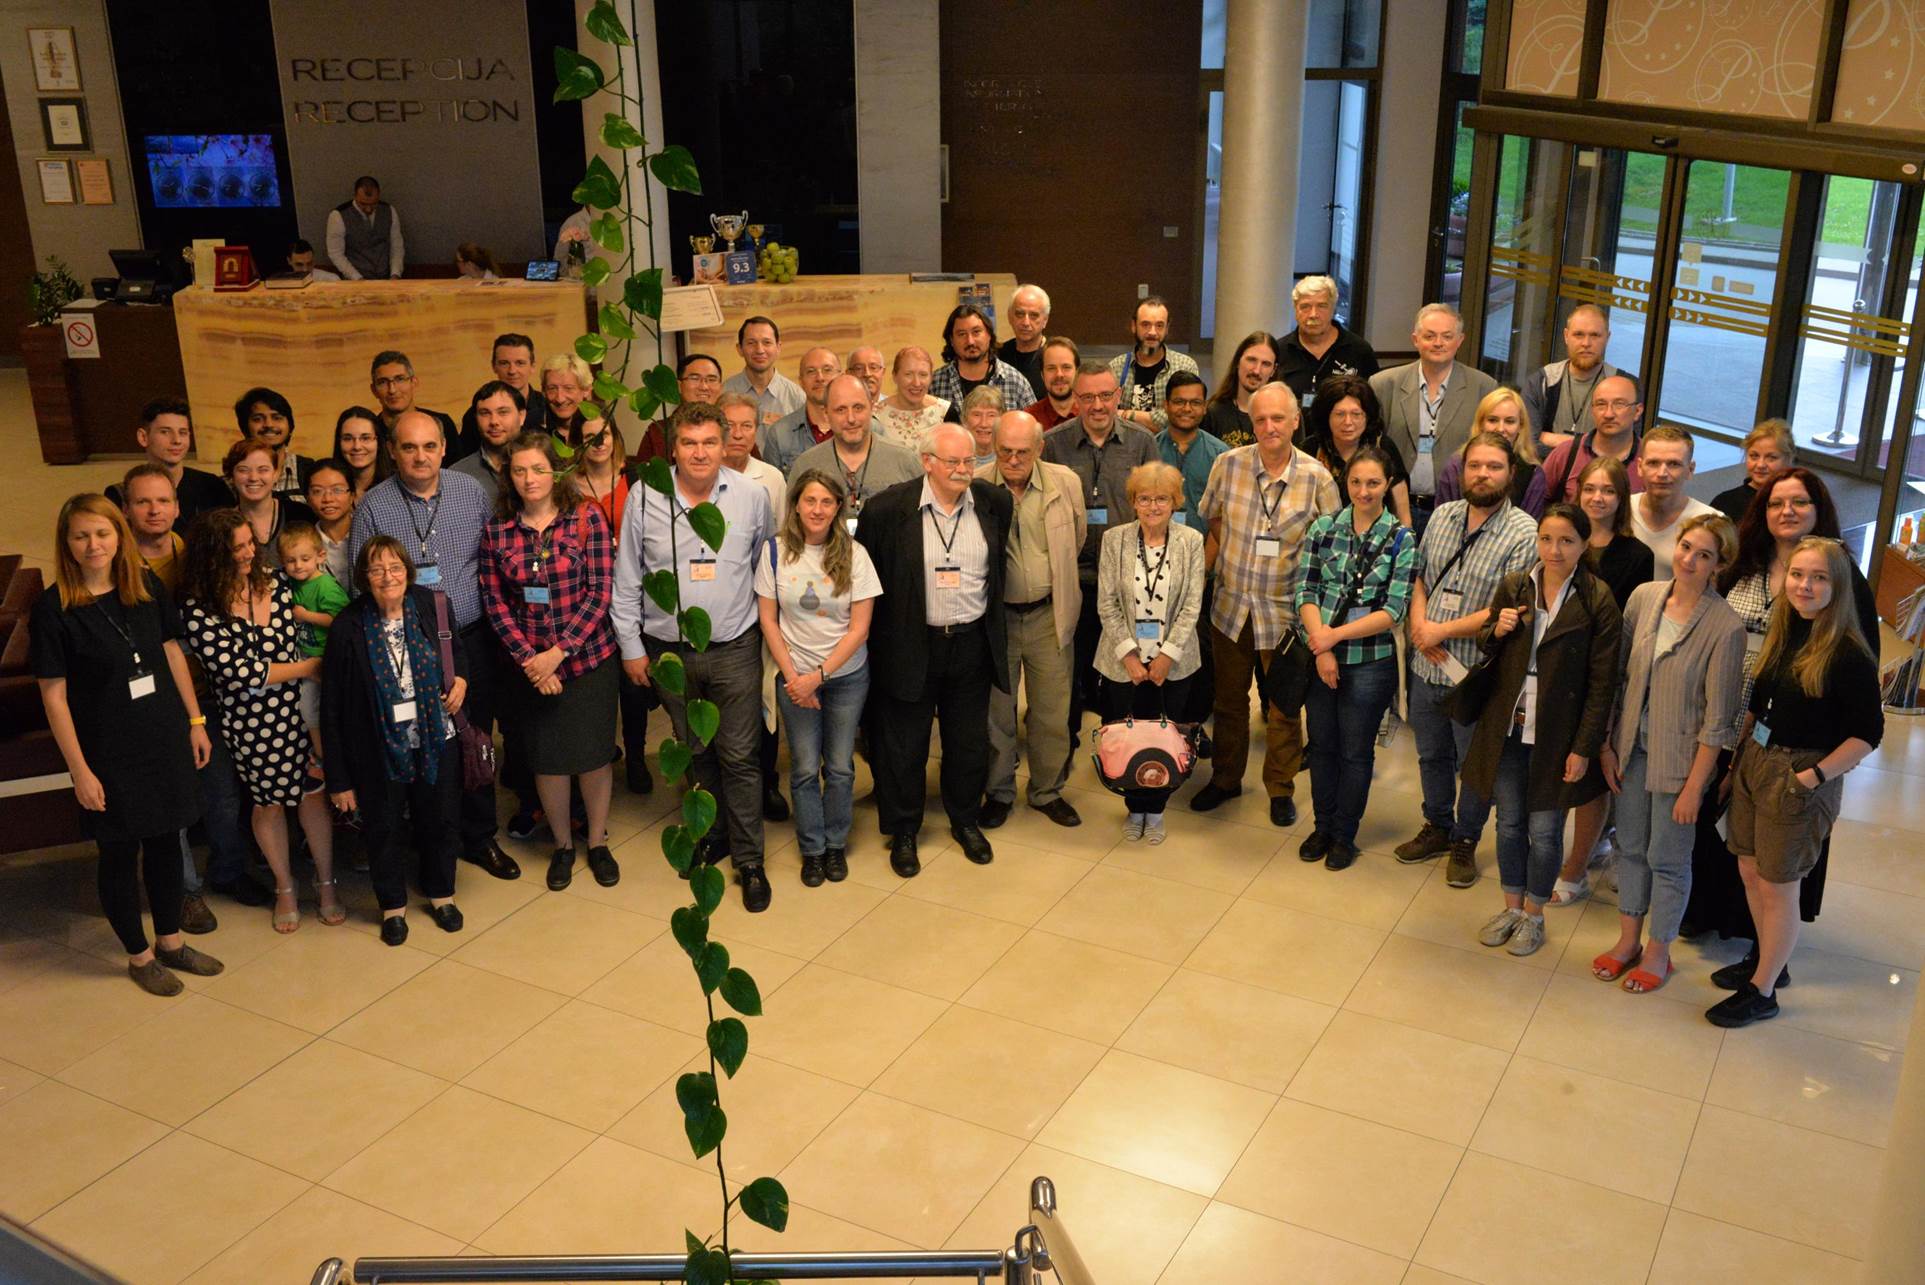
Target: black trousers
x=1199 y=698
x=432 y=816
x=120 y=875
x=1085 y=684
x=956 y=690
x=488 y=675
x=638 y=699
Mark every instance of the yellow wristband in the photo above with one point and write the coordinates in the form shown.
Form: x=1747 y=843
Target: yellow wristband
x=197 y=721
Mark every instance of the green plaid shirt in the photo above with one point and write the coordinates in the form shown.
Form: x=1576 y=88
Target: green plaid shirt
x=1333 y=556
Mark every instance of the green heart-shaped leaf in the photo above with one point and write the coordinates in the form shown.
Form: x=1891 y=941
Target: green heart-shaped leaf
x=605 y=25
x=576 y=77
x=705 y=1130
x=675 y=758
x=599 y=188
x=696 y=628
x=708 y=522
x=707 y=884
x=609 y=389
x=617 y=133
x=661 y=381
x=767 y=1202
x=643 y=292
x=591 y=348
x=728 y=1044
x=596 y=271
x=663 y=590
x=679 y=848
x=713 y=963
x=657 y=475
x=614 y=325
x=694 y=1091
x=698 y=808
x=710 y=1266
x=606 y=231
x=691 y=929
x=741 y=992
x=667 y=673
x=704 y=720
x=674 y=168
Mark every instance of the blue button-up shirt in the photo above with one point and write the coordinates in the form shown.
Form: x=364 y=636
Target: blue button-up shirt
x=1194 y=465
x=444 y=528
x=656 y=534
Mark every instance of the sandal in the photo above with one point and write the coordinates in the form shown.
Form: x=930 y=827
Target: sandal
x=332 y=912
x=287 y=923
x=1608 y=967
x=1568 y=892
x=1640 y=982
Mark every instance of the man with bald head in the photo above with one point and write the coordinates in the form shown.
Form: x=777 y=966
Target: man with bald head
x=781 y=442
x=1042 y=600
x=1028 y=315
x=1259 y=502
x=866 y=463
x=439 y=515
x=938 y=643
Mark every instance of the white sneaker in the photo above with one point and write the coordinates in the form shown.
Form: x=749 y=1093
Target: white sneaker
x=1153 y=828
x=1498 y=928
x=1133 y=828
x=1528 y=936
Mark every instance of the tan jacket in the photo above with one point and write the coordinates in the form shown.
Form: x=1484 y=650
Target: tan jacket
x=1064 y=522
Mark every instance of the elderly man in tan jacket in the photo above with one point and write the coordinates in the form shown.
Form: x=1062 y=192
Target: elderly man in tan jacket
x=1042 y=602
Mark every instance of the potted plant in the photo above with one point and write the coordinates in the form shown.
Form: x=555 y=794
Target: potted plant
x=43 y=349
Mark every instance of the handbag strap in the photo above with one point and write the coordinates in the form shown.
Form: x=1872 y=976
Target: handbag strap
x=444 y=639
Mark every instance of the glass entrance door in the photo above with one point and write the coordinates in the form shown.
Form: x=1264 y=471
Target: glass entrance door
x=1610 y=241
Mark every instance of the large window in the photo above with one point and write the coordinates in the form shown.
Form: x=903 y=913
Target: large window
x=1450 y=181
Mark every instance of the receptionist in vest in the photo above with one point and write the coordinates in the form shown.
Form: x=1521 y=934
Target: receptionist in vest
x=364 y=234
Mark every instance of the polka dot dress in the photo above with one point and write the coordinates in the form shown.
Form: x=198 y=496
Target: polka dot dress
x=261 y=725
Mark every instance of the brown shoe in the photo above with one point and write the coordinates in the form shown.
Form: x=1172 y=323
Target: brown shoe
x=154 y=978
x=1462 y=870
x=195 y=917
x=1430 y=841
x=189 y=960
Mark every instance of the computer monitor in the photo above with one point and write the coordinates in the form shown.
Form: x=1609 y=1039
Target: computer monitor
x=145 y=276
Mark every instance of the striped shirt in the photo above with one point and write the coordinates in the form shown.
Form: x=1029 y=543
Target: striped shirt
x=1455 y=560
x=1381 y=565
x=1252 y=584
x=444 y=529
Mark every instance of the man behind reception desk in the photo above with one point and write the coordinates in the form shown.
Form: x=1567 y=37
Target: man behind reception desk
x=759 y=340
x=391 y=380
x=300 y=261
x=364 y=234
x=513 y=361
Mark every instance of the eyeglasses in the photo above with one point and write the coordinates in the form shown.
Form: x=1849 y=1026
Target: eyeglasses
x=1014 y=452
x=1108 y=396
x=1157 y=501
x=956 y=464
x=393 y=381
x=1188 y=403
x=1613 y=406
x=387 y=571
x=328 y=492
x=1799 y=502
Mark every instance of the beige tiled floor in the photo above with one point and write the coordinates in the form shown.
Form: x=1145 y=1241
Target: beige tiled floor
x=1235 y=1066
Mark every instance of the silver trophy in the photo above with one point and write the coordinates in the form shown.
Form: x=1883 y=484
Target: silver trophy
x=729 y=226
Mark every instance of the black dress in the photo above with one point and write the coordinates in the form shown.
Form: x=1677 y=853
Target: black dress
x=138 y=747
x=1624 y=564
x=1734 y=502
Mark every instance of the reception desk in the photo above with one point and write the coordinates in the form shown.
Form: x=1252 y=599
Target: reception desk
x=886 y=311
x=314 y=345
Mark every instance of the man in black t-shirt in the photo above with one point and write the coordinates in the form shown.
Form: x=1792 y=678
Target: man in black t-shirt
x=1028 y=314
x=1143 y=373
x=1319 y=348
x=166 y=433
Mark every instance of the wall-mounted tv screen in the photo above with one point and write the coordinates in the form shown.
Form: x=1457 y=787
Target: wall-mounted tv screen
x=213 y=171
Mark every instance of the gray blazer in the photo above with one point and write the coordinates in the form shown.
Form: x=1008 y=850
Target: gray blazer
x=1693 y=688
x=1400 y=394
x=1116 y=600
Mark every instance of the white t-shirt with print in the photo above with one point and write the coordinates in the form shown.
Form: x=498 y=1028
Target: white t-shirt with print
x=813 y=618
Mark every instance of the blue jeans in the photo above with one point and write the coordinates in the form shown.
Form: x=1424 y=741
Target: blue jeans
x=1343 y=727
x=1441 y=746
x=1654 y=852
x=224 y=814
x=1530 y=845
x=822 y=752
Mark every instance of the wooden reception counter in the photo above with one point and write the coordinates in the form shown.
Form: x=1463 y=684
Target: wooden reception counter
x=314 y=345
x=886 y=311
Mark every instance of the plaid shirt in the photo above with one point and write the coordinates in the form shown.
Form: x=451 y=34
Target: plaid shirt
x=1123 y=362
x=1262 y=591
x=574 y=559
x=1330 y=563
x=947 y=383
x=445 y=530
x=1506 y=542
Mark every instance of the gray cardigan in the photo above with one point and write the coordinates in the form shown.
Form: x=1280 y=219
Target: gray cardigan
x=1116 y=600
x=1693 y=688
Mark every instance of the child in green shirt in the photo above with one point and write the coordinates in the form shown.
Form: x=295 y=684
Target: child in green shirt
x=318 y=599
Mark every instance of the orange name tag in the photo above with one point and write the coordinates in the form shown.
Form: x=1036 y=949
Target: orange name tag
x=701 y=569
x=948 y=577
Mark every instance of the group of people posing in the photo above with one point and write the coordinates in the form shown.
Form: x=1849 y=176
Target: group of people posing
x=1520 y=573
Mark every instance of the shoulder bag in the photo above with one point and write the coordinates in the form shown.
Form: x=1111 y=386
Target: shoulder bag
x=477 y=747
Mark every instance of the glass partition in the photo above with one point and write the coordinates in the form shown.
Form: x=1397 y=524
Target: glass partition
x=1524 y=247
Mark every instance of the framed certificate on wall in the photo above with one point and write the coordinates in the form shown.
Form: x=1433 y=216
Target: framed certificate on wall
x=56 y=68
x=93 y=180
x=65 y=122
x=56 y=181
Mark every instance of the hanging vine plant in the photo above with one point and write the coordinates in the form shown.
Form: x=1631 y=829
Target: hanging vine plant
x=610 y=194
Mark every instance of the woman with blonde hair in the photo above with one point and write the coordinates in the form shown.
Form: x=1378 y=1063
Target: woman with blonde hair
x=1149 y=597
x=910 y=411
x=1501 y=411
x=1814 y=715
x=1683 y=663
x=1769 y=449
x=115 y=687
x=816 y=587
x=566 y=382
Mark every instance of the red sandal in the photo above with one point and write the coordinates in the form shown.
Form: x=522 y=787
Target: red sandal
x=1608 y=967
x=1646 y=982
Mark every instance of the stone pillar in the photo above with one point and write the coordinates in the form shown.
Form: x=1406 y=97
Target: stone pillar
x=644 y=73
x=1257 y=211
x=1895 y=1251
x=899 y=134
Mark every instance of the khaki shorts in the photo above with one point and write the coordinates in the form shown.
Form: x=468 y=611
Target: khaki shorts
x=1775 y=820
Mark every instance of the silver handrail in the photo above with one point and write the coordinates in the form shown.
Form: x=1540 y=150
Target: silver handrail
x=983 y=1265
x=1057 y=1250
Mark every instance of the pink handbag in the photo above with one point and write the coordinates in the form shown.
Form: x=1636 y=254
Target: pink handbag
x=1143 y=754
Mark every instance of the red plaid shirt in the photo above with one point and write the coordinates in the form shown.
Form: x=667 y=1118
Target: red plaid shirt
x=574 y=559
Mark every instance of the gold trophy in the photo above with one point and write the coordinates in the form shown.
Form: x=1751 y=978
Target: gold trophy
x=755 y=236
x=702 y=244
x=705 y=265
x=729 y=226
